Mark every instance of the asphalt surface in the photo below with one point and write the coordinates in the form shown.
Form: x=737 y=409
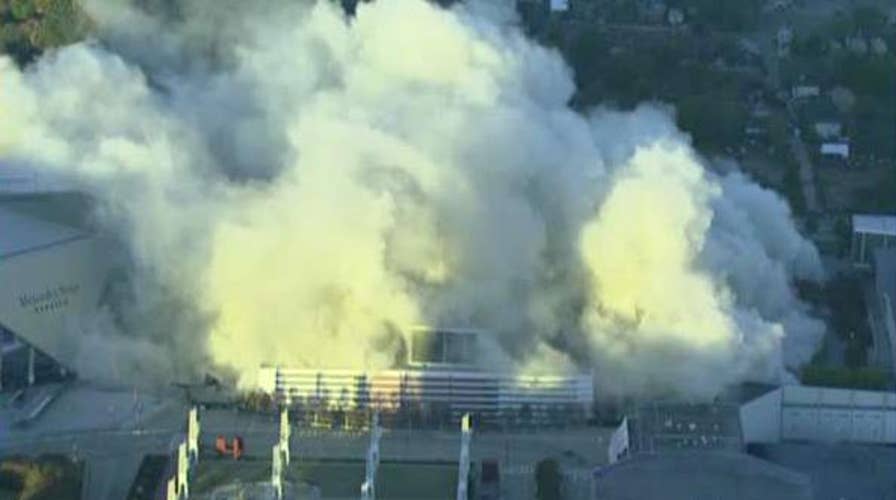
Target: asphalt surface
x=579 y=450
x=111 y=431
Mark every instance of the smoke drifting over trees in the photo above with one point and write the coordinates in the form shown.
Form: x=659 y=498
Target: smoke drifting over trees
x=295 y=187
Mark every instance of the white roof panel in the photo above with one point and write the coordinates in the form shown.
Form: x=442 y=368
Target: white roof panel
x=20 y=233
x=874 y=224
x=836 y=149
x=825 y=396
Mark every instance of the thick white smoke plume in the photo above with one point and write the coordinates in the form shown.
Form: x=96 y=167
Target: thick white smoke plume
x=296 y=187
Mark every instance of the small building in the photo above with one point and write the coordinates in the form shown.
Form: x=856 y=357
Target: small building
x=784 y=38
x=837 y=151
x=778 y=5
x=857 y=45
x=675 y=17
x=654 y=12
x=828 y=129
x=805 y=91
x=559 y=5
x=869 y=233
x=879 y=46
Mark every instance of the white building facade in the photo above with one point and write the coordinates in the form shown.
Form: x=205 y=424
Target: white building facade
x=457 y=391
x=819 y=414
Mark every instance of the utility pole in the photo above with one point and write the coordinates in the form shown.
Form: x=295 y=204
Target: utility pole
x=285 y=432
x=193 y=435
x=30 y=366
x=277 y=471
x=463 y=473
x=368 y=488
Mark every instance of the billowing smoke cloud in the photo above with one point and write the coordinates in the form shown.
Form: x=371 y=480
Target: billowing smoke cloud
x=296 y=187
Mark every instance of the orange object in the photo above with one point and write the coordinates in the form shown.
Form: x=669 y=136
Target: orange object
x=238 y=447
x=221 y=445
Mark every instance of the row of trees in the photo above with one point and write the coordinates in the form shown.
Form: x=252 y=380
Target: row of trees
x=710 y=102
x=721 y=15
x=871 y=379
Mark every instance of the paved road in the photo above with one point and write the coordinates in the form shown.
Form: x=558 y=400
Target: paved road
x=807 y=172
x=518 y=453
x=102 y=427
x=881 y=352
x=113 y=448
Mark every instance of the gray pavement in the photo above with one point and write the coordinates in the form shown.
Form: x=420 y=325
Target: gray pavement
x=840 y=471
x=111 y=431
x=880 y=354
x=103 y=428
x=579 y=450
x=807 y=172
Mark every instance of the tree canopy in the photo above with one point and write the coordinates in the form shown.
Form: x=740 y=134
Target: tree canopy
x=28 y=27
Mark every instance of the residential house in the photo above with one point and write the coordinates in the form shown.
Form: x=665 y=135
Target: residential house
x=805 y=91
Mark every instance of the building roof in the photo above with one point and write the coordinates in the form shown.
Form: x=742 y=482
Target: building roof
x=821 y=414
x=698 y=475
x=874 y=224
x=660 y=427
x=839 y=471
x=828 y=397
x=835 y=149
x=22 y=233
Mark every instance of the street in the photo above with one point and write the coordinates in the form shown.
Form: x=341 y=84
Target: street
x=112 y=447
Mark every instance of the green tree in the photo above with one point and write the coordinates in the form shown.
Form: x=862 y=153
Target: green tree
x=860 y=378
x=779 y=134
x=873 y=76
x=869 y=19
x=725 y=15
x=716 y=120
x=793 y=187
x=839 y=27
x=28 y=27
x=22 y=9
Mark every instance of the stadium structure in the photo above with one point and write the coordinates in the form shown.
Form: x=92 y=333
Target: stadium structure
x=438 y=383
x=53 y=270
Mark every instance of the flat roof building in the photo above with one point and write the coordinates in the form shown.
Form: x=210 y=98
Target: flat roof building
x=870 y=232
x=819 y=414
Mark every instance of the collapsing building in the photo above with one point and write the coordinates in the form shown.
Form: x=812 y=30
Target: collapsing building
x=439 y=383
